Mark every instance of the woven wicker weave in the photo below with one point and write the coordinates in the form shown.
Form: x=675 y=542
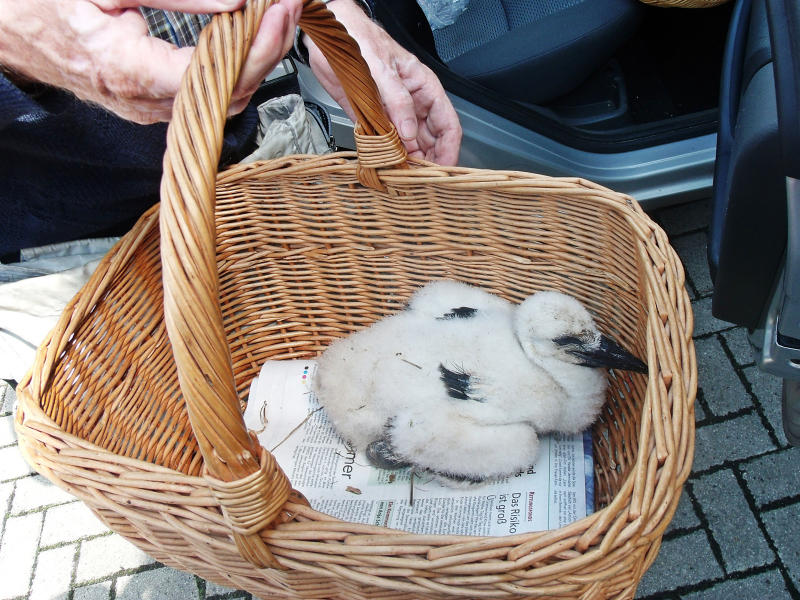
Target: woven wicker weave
x=133 y=404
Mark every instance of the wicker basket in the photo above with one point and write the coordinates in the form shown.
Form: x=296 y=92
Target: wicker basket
x=134 y=402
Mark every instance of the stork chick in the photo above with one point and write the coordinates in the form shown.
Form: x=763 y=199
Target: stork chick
x=461 y=383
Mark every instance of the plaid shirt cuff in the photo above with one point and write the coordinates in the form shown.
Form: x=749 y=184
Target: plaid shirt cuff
x=183 y=29
x=178 y=28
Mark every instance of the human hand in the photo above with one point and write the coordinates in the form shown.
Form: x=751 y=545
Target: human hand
x=413 y=97
x=100 y=50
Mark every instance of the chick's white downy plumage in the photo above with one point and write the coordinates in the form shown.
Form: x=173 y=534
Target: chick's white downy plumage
x=462 y=382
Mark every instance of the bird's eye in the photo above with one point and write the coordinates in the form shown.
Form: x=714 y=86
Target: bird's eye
x=568 y=340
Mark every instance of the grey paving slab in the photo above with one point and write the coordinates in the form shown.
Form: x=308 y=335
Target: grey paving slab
x=98 y=591
x=18 y=554
x=767 y=389
x=734 y=439
x=704 y=322
x=681 y=562
x=214 y=589
x=8 y=396
x=69 y=523
x=685 y=516
x=36 y=492
x=699 y=413
x=764 y=586
x=7 y=434
x=6 y=491
x=106 y=556
x=731 y=521
x=783 y=526
x=773 y=477
x=158 y=584
x=736 y=340
x=722 y=388
x=53 y=573
x=692 y=251
x=685 y=217
x=12 y=465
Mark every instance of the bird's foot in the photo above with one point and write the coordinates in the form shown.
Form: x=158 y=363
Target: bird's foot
x=381 y=455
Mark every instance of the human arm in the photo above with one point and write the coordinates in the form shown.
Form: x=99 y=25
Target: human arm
x=413 y=97
x=100 y=51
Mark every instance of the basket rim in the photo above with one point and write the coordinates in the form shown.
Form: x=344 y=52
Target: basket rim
x=423 y=171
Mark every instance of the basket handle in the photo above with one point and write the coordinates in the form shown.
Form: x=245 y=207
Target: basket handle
x=244 y=477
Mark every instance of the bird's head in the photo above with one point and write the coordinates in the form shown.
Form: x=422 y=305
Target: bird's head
x=554 y=325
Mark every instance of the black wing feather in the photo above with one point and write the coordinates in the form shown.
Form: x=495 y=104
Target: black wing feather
x=462 y=312
x=457 y=383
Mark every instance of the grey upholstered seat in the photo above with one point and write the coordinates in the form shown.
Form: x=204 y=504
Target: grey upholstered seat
x=535 y=50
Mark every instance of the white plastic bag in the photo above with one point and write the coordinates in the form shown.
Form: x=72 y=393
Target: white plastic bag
x=441 y=13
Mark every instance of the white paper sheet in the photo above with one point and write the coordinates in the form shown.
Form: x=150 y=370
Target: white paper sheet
x=290 y=423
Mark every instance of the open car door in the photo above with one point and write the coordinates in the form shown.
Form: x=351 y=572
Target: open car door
x=754 y=236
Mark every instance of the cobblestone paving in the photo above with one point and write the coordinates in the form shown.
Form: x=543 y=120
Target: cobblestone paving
x=735 y=533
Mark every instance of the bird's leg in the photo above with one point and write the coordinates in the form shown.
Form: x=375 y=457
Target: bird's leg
x=380 y=454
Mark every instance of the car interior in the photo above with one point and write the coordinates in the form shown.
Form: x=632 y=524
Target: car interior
x=596 y=75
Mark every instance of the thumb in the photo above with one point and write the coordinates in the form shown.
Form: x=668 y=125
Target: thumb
x=399 y=107
x=164 y=64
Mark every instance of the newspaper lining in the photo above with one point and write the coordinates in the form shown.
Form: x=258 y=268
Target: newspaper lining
x=290 y=423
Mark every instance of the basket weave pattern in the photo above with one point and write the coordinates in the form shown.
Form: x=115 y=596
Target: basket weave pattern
x=143 y=423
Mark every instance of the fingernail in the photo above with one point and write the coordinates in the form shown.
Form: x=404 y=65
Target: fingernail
x=408 y=129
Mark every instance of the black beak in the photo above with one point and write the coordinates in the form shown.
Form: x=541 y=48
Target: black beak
x=608 y=354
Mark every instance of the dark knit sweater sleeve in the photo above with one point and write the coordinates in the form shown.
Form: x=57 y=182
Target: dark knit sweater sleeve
x=14 y=103
x=71 y=170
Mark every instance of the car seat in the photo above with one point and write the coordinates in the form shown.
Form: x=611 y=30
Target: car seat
x=533 y=51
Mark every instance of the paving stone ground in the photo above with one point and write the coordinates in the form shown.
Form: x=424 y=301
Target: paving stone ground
x=735 y=535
